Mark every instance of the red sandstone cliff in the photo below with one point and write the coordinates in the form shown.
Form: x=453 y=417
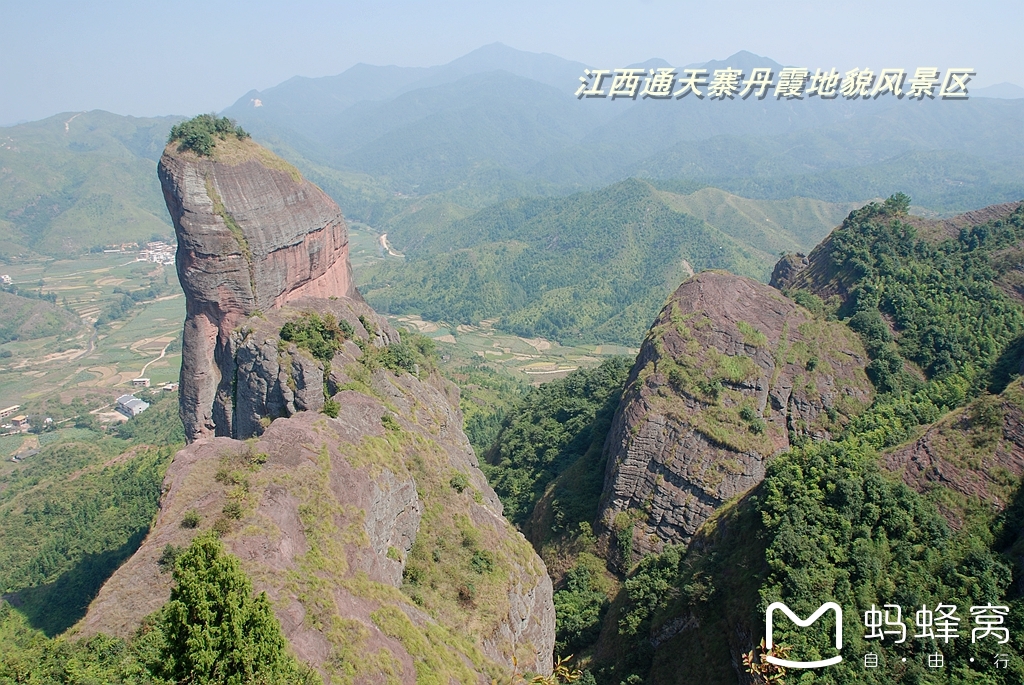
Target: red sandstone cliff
x=730 y=371
x=252 y=236
x=374 y=532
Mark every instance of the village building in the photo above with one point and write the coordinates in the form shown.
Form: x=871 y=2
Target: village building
x=131 y=406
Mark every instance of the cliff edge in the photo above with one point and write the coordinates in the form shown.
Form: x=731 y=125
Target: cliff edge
x=252 y=235
x=729 y=374
x=326 y=452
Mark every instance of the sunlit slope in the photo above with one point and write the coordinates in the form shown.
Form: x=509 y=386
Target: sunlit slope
x=77 y=181
x=592 y=266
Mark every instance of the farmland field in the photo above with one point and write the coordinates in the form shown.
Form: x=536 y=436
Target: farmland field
x=96 y=362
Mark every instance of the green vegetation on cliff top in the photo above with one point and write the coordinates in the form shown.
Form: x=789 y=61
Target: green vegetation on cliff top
x=827 y=522
x=201 y=133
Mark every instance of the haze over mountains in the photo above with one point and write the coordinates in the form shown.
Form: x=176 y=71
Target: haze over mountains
x=498 y=117
x=431 y=155
x=851 y=430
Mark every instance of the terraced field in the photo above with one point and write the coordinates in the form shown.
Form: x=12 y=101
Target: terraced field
x=97 y=362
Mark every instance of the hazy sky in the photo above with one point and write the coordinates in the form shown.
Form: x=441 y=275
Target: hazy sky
x=148 y=58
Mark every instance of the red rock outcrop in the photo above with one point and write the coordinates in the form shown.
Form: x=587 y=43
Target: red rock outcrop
x=374 y=532
x=730 y=371
x=253 y=235
x=977 y=452
x=352 y=526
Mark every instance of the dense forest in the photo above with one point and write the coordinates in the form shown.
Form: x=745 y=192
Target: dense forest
x=828 y=521
x=594 y=267
x=943 y=331
x=212 y=630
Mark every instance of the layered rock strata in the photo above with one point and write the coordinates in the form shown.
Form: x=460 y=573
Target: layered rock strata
x=374 y=532
x=730 y=372
x=252 y=235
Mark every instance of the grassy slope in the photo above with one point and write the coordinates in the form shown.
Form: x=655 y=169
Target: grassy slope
x=23 y=318
x=72 y=182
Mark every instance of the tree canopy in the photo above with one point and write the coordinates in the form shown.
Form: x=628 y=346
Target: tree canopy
x=200 y=133
x=216 y=631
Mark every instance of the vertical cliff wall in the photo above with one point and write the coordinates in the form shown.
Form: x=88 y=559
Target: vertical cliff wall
x=371 y=527
x=730 y=372
x=252 y=236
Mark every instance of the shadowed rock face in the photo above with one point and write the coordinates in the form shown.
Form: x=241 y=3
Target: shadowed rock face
x=730 y=371
x=252 y=236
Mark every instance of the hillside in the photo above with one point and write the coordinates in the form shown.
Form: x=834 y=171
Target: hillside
x=28 y=318
x=592 y=266
x=496 y=119
x=81 y=180
x=912 y=500
x=730 y=375
x=326 y=467
x=71 y=514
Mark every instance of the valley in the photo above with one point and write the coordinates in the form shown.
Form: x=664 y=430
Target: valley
x=472 y=388
x=95 y=360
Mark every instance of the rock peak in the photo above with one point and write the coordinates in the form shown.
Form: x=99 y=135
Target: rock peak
x=253 y=235
x=729 y=373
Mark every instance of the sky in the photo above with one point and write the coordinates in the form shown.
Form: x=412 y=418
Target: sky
x=148 y=58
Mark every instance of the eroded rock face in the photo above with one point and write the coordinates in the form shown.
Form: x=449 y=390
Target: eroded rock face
x=349 y=523
x=374 y=560
x=977 y=451
x=252 y=236
x=271 y=378
x=353 y=525
x=730 y=371
x=786 y=270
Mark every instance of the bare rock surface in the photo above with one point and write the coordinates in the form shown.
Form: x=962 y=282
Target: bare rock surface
x=729 y=372
x=977 y=452
x=786 y=270
x=375 y=534
x=253 y=235
x=334 y=510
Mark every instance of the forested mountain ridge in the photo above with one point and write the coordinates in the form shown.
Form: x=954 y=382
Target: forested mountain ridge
x=78 y=181
x=498 y=122
x=834 y=519
x=591 y=266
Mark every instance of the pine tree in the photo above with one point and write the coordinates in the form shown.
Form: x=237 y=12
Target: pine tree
x=216 y=631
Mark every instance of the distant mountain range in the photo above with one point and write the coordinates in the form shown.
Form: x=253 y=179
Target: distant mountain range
x=500 y=121
x=1004 y=90
x=499 y=124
